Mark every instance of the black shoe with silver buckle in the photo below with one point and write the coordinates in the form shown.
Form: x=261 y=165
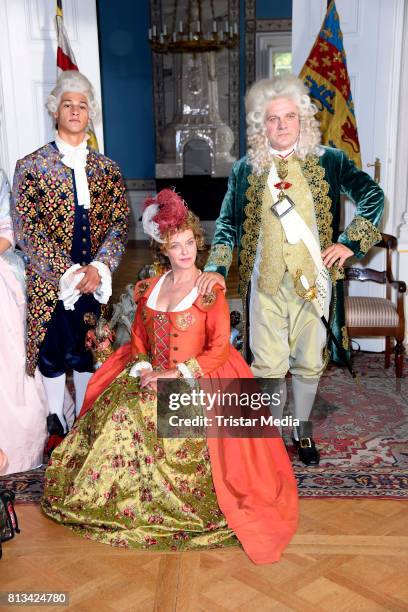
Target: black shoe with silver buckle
x=307 y=451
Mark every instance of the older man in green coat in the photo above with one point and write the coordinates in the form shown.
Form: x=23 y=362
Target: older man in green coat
x=282 y=210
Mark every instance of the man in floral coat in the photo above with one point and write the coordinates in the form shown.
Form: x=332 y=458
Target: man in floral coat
x=70 y=216
x=282 y=211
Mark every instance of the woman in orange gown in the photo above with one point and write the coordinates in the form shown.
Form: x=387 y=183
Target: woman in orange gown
x=115 y=481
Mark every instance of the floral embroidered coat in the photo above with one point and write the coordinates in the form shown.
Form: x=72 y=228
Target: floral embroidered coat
x=328 y=177
x=43 y=211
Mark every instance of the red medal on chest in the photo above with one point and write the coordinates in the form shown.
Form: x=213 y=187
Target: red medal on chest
x=282 y=185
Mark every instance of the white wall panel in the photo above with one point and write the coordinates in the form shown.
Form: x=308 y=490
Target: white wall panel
x=28 y=46
x=40 y=18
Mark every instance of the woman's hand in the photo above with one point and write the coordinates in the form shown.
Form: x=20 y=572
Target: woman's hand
x=149 y=379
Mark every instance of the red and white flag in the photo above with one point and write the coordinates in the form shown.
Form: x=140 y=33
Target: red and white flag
x=66 y=61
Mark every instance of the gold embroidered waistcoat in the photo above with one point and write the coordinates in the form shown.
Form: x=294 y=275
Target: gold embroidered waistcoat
x=277 y=255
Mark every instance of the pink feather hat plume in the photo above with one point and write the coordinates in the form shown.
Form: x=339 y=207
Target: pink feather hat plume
x=163 y=213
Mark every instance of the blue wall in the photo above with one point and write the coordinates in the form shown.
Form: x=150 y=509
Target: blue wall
x=273 y=9
x=127 y=94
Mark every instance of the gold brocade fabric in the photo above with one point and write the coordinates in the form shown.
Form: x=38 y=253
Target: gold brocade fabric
x=363 y=231
x=112 y=479
x=277 y=254
x=220 y=255
x=251 y=228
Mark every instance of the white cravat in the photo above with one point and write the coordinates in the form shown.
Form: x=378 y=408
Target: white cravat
x=75 y=158
x=284 y=154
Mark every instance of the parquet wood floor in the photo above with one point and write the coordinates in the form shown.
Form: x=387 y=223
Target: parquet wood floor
x=347 y=555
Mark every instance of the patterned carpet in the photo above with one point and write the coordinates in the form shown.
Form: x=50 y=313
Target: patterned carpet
x=362 y=433
x=361 y=430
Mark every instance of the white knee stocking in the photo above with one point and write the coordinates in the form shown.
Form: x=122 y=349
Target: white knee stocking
x=81 y=380
x=55 y=389
x=304 y=393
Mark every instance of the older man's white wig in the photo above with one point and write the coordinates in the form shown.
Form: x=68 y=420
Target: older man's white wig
x=72 y=80
x=257 y=99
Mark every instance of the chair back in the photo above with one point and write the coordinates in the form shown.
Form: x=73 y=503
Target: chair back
x=389 y=243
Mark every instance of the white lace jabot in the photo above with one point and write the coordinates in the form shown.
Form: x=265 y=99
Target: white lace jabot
x=75 y=158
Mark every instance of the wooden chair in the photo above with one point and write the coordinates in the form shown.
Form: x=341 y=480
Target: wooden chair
x=370 y=316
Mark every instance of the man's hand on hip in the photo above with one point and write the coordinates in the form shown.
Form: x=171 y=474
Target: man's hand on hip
x=206 y=281
x=91 y=280
x=336 y=253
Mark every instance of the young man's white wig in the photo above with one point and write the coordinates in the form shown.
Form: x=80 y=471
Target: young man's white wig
x=257 y=99
x=72 y=80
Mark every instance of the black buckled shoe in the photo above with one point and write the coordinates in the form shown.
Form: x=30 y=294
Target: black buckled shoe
x=54 y=426
x=307 y=451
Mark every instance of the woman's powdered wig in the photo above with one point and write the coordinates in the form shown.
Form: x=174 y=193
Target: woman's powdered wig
x=72 y=80
x=257 y=99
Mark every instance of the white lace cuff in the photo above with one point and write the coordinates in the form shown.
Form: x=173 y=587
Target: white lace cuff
x=187 y=374
x=184 y=370
x=138 y=367
x=104 y=289
x=68 y=292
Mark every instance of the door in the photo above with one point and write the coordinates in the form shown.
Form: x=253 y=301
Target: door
x=372 y=36
x=28 y=48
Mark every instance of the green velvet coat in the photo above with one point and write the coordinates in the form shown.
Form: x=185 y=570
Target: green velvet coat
x=328 y=176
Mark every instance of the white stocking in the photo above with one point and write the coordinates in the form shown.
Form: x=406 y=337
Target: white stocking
x=81 y=380
x=304 y=393
x=55 y=389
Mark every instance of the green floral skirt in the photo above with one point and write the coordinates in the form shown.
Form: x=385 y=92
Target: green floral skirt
x=112 y=479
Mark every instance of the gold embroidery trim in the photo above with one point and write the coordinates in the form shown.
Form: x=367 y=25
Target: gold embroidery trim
x=272 y=263
x=314 y=174
x=208 y=299
x=194 y=367
x=319 y=187
x=220 y=255
x=185 y=320
x=363 y=231
x=345 y=341
x=251 y=225
x=336 y=273
x=141 y=289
